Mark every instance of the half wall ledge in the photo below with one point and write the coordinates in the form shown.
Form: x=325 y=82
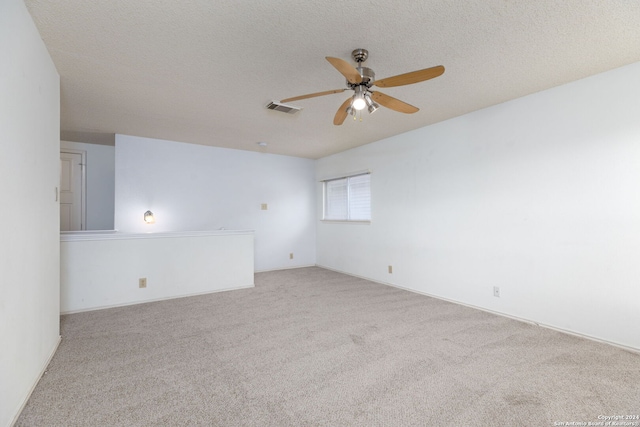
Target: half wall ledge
x=107 y=269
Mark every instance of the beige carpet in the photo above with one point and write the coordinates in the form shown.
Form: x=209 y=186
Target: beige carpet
x=311 y=347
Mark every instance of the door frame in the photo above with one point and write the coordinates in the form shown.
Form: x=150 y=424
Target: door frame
x=83 y=184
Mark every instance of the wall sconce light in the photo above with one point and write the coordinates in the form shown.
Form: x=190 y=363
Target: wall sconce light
x=148 y=217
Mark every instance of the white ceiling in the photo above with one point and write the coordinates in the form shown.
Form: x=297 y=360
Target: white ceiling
x=202 y=71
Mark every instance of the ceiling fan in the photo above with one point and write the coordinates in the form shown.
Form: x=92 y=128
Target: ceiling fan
x=360 y=79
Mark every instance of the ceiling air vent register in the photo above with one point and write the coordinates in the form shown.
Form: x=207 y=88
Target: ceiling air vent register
x=285 y=108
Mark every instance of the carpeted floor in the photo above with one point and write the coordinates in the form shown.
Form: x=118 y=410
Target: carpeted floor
x=311 y=347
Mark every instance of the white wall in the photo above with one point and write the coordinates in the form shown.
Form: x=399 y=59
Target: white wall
x=103 y=270
x=539 y=196
x=100 y=183
x=194 y=187
x=29 y=218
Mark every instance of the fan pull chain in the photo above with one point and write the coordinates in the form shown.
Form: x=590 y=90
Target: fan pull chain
x=357 y=114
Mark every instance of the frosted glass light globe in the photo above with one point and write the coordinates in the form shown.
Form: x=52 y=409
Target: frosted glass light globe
x=359 y=104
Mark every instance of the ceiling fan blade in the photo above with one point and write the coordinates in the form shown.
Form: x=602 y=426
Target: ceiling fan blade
x=341 y=114
x=410 y=78
x=346 y=69
x=393 y=103
x=313 y=95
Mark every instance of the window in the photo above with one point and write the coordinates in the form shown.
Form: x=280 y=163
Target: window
x=348 y=198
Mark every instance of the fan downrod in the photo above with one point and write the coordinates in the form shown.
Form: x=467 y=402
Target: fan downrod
x=368 y=76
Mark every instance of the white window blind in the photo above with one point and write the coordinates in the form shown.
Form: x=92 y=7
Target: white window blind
x=348 y=199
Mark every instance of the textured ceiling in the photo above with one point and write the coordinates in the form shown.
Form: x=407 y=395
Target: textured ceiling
x=202 y=71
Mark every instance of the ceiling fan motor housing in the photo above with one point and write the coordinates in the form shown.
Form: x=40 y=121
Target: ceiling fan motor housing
x=368 y=77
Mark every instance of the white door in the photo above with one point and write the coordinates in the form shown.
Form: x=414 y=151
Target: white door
x=71 y=191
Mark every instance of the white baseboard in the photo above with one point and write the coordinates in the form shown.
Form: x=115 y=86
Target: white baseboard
x=35 y=383
x=286 y=268
x=497 y=313
x=125 y=304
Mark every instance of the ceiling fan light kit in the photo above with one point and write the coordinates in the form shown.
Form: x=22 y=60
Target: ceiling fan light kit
x=360 y=79
x=358 y=98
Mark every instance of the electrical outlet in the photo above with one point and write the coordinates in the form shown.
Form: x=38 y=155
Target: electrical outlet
x=291 y=255
x=390 y=269
x=264 y=206
x=142 y=282
x=496 y=291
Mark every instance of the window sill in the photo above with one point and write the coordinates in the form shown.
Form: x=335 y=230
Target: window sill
x=346 y=221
